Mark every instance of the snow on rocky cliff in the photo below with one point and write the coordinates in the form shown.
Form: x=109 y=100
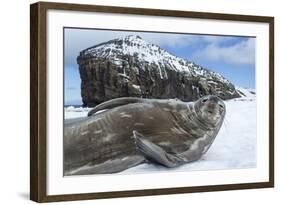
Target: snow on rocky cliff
x=133 y=45
x=132 y=67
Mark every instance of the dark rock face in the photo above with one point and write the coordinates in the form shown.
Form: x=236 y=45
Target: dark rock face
x=135 y=68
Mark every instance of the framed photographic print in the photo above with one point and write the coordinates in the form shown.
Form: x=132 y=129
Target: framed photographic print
x=134 y=102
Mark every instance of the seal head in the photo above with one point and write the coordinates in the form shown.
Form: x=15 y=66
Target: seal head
x=210 y=110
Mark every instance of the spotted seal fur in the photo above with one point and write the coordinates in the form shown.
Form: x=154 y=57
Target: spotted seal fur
x=134 y=130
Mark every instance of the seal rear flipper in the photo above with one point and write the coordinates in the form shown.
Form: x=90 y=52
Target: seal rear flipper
x=115 y=103
x=155 y=152
x=108 y=167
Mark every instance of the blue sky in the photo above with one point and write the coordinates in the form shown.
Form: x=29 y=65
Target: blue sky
x=232 y=57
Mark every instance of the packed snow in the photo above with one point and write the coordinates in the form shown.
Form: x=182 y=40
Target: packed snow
x=233 y=148
x=246 y=93
x=71 y=112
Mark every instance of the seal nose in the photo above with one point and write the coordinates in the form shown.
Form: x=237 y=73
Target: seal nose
x=214 y=99
x=211 y=98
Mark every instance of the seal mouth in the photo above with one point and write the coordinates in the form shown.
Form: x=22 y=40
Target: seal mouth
x=211 y=112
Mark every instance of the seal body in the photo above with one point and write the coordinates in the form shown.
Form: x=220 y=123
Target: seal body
x=134 y=131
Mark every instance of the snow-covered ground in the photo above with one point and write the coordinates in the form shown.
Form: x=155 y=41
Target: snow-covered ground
x=71 y=112
x=233 y=148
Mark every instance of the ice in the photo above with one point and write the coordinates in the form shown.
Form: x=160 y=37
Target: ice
x=233 y=148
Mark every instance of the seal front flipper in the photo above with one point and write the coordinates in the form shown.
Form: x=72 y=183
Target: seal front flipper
x=115 y=103
x=156 y=153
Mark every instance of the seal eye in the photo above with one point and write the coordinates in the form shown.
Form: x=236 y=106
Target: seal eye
x=204 y=100
x=221 y=105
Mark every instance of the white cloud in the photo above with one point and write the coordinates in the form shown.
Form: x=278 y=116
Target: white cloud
x=242 y=52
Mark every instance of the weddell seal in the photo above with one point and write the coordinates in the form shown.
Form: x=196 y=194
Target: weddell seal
x=135 y=130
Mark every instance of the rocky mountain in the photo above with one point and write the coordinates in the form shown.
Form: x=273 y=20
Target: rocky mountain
x=130 y=66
